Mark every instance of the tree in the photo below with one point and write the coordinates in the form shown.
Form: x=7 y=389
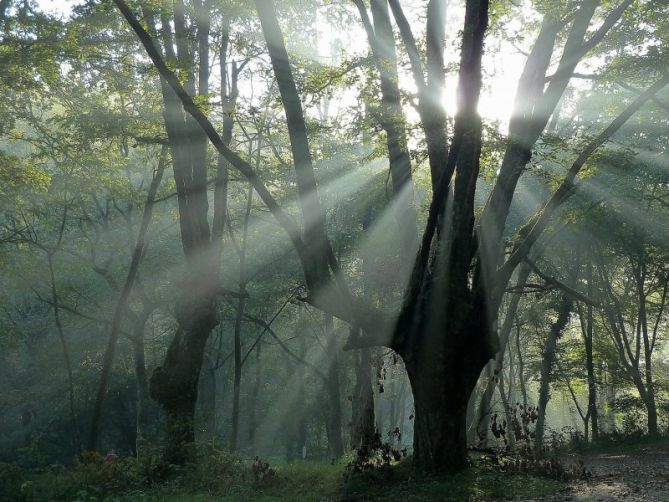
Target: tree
x=446 y=329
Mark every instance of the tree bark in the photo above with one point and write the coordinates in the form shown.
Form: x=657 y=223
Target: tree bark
x=362 y=430
x=510 y=435
x=141 y=382
x=589 y=358
x=391 y=118
x=174 y=384
x=333 y=413
x=255 y=392
x=440 y=400
x=547 y=361
x=315 y=244
x=649 y=397
x=239 y=317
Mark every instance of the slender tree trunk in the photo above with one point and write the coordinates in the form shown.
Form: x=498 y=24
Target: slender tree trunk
x=547 y=361
x=76 y=442
x=122 y=303
x=238 y=322
x=363 y=417
x=362 y=421
x=207 y=400
x=589 y=361
x=532 y=109
x=495 y=367
x=301 y=403
x=333 y=421
x=255 y=392
x=237 y=379
x=392 y=120
x=430 y=93
x=315 y=248
x=142 y=383
x=649 y=398
x=510 y=435
x=521 y=367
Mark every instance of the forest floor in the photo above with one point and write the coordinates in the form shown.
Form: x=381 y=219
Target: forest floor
x=638 y=473
x=624 y=472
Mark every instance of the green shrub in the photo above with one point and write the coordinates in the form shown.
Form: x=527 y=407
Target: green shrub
x=214 y=471
x=11 y=478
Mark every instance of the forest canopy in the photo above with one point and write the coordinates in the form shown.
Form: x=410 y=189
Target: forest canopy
x=360 y=235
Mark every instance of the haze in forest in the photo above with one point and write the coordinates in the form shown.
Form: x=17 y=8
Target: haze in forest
x=326 y=250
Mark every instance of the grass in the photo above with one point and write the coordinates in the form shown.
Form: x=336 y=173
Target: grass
x=615 y=443
x=218 y=475
x=324 y=482
x=476 y=483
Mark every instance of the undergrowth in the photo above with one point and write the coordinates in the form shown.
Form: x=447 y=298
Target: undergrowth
x=218 y=475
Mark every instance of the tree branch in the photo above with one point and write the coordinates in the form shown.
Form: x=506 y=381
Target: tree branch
x=535 y=227
x=561 y=285
x=189 y=105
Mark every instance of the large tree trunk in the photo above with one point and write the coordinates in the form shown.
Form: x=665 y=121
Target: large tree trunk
x=444 y=356
x=442 y=383
x=481 y=420
x=174 y=384
x=445 y=330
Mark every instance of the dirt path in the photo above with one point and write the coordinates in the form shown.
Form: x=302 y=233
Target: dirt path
x=638 y=475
